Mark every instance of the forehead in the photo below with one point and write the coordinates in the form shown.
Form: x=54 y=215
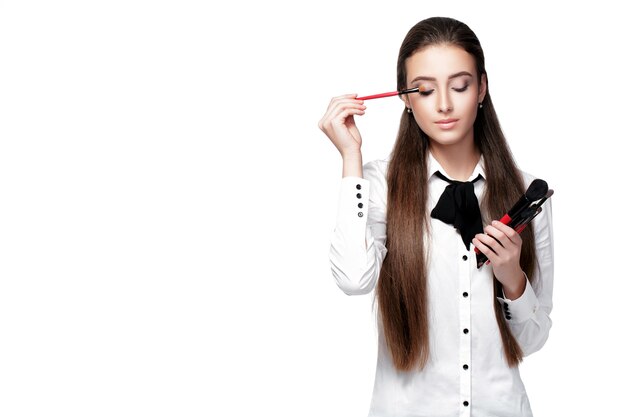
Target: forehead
x=439 y=61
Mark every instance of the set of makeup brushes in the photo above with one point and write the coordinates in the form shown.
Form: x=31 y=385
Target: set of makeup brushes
x=523 y=212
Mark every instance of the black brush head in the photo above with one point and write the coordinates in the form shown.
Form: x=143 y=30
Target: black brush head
x=536 y=190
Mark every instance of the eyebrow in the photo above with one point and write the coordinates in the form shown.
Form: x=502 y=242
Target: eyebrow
x=458 y=74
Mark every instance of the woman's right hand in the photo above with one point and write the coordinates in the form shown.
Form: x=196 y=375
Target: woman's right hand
x=338 y=123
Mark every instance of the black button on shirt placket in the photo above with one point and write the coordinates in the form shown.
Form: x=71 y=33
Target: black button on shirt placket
x=465 y=330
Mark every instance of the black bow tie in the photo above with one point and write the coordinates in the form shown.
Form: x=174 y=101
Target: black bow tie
x=458 y=206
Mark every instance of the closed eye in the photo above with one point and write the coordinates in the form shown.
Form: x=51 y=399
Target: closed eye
x=429 y=92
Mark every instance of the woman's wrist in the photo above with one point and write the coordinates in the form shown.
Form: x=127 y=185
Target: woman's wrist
x=515 y=290
x=352 y=164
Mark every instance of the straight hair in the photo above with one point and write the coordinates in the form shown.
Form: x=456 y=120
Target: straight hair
x=402 y=290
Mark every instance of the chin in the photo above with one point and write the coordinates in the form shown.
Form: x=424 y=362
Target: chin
x=445 y=141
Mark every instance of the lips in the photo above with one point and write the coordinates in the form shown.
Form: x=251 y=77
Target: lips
x=447 y=124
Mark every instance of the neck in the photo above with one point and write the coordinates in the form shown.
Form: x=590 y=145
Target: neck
x=459 y=160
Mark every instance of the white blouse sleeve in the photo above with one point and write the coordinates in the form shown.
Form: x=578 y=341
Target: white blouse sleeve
x=529 y=315
x=357 y=248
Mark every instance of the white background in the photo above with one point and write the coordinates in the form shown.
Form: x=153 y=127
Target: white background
x=166 y=199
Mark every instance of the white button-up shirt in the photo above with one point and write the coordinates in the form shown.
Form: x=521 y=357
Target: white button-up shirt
x=467 y=373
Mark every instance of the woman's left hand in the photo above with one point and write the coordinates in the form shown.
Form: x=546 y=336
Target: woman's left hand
x=502 y=245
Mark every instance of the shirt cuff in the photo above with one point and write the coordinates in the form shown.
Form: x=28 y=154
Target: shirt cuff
x=522 y=308
x=353 y=204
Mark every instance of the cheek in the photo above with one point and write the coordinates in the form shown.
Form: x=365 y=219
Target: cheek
x=468 y=105
x=422 y=115
x=422 y=109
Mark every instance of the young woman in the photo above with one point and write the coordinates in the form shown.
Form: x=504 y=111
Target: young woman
x=451 y=335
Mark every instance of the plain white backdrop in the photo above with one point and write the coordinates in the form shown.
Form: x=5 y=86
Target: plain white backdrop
x=166 y=199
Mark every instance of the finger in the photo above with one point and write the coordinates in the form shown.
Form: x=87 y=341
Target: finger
x=343 y=98
x=489 y=241
x=337 y=116
x=508 y=231
x=347 y=103
x=342 y=118
x=339 y=121
x=338 y=107
x=496 y=234
x=348 y=110
x=346 y=95
x=487 y=250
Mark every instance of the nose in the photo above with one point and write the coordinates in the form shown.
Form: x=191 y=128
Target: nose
x=444 y=103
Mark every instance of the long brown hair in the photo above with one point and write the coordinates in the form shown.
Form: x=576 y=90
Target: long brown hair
x=402 y=286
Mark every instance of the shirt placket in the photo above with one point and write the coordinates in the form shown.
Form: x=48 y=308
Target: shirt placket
x=465 y=352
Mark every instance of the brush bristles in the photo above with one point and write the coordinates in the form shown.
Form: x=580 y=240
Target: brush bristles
x=410 y=90
x=536 y=190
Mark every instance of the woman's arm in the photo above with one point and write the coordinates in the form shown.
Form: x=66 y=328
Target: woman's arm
x=529 y=315
x=358 y=240
x=357 y=247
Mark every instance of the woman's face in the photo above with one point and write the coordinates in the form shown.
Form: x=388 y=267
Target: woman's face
x=446 y=106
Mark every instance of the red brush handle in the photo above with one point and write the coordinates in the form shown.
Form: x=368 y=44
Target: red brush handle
x=391 y=93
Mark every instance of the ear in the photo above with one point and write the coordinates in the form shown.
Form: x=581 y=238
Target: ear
x=405 y=99
x=482 y=92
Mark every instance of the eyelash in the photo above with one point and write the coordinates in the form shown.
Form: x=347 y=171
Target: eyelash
x=459 y=90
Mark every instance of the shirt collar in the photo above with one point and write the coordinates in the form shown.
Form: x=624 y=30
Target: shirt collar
x=434 y=165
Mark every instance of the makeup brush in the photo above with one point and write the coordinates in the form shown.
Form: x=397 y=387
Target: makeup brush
x=522 y=220
x=390 y=94
x=536 y=191
x=534 y=210
x=522 y=212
